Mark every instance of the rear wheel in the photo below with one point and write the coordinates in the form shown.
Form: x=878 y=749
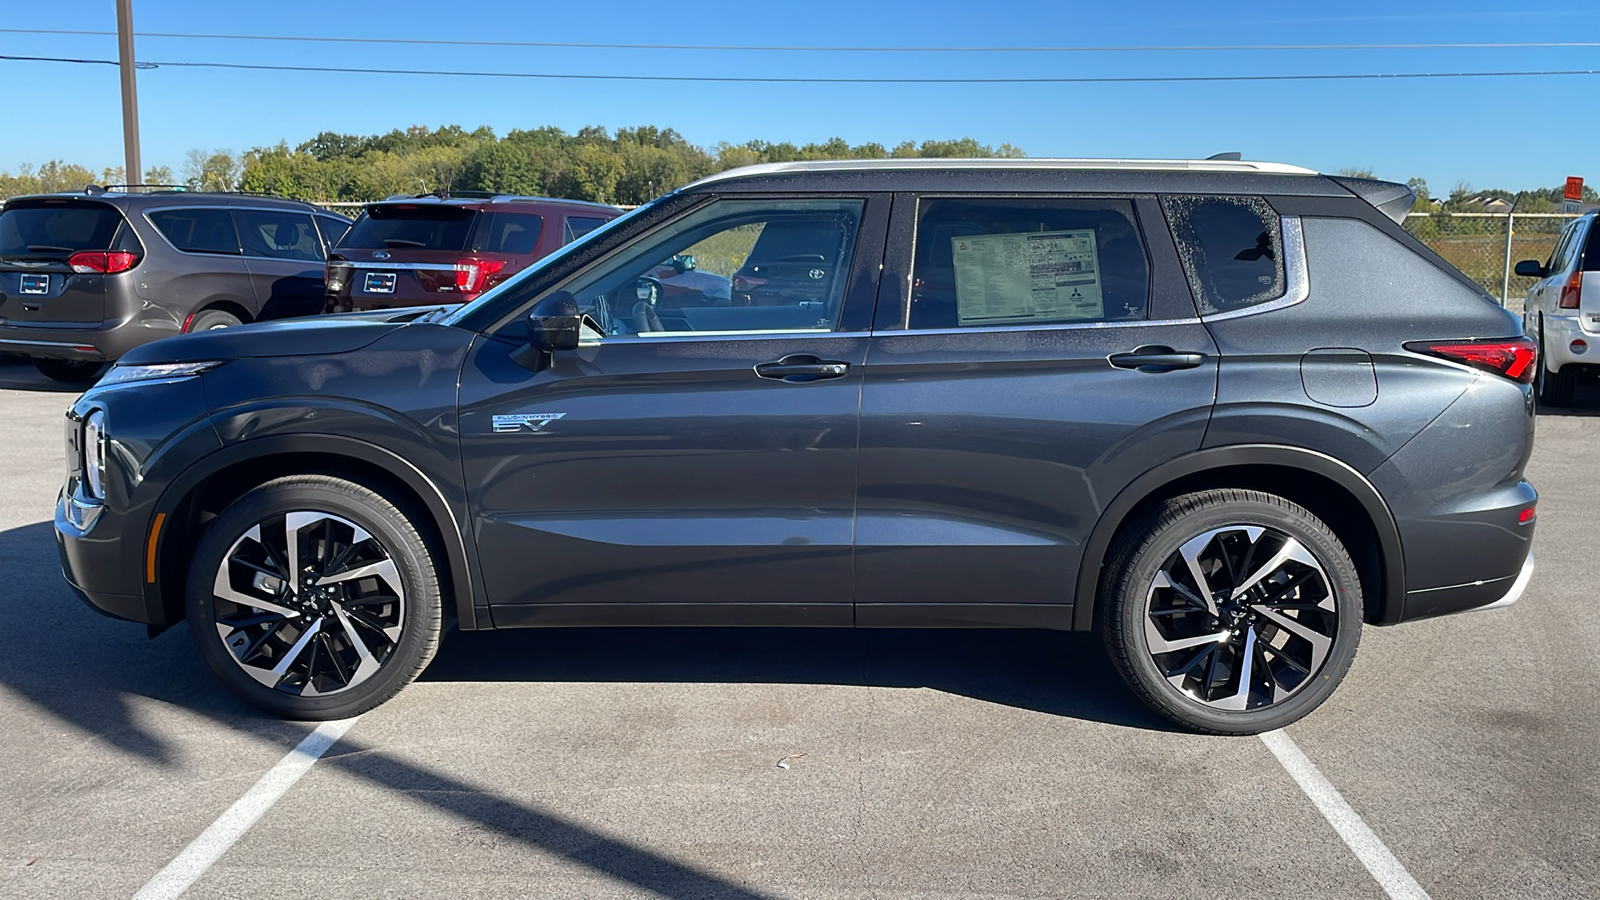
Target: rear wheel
x=1231 y=611
x=212 y=319
x=72 y=371
x=313 y=598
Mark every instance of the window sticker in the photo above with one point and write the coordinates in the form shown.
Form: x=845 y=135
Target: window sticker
x=1042 y=276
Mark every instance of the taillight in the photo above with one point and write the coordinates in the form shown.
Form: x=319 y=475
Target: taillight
x=474 y=275
x=1572 y=291
x=1512 y=357
x=336 y=275
x=106 y=262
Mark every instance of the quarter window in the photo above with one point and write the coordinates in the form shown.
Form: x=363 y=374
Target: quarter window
x=732 y=267
x=509 y=233
x=197 y=229
x=578 y=226
x=1005 y=262
x=277 y=234
x=332 y=230
x=1232 y=249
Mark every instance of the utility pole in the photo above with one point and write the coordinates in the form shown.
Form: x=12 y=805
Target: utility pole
x=132 y=172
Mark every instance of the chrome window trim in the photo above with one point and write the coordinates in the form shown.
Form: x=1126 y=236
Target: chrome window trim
x=1049 y=326
x=1296 y=275
x=389 y=266
x=680 y=337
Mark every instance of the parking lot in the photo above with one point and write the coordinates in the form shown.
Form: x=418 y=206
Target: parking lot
x=626 y=763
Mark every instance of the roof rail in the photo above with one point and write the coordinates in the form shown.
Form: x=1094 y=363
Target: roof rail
x=127 y=188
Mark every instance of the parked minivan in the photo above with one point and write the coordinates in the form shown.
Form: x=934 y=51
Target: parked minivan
x=87 y=276
x=1227 y=414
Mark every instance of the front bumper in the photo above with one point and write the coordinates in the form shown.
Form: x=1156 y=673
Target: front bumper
x=86 y=558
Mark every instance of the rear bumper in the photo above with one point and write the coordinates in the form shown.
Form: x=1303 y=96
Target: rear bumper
x=96 y=343
x=1496 y=593
x=1560 y=332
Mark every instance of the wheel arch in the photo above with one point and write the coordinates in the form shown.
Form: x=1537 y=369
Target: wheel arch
x=203 y=489
x=1332 y=490
x=232 y=307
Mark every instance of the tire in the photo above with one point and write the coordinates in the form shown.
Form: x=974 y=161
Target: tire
x=291 y=650
x=1162 y=640
x=71 y=371
x=212 y=319
x=1554 y=389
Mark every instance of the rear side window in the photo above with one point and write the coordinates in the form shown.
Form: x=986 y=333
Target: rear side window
x=277 y=234
x=332 y=229
x=509 y=233
x=197 y=229
x=1232 y=249
x=45 y=228
x=1008 y=262
x=1591 y=250
x=578 y=226
x=410 y=227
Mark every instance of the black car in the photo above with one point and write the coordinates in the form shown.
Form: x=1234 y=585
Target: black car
x=1225 y=413
x=88 y=275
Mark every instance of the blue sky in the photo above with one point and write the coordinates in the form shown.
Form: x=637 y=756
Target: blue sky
x=1506 y=132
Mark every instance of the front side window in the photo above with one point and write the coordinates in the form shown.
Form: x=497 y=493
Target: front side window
x=1232 y=250
x=732 y=267
x=197 y=229
x=988 y=262
x=277 y=234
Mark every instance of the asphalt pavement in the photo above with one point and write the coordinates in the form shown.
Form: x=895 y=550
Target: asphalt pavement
x=634 y=763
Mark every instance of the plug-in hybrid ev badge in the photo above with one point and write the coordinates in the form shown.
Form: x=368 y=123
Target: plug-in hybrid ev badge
x=523 y=422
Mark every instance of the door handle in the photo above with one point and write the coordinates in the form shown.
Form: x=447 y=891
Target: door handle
x=802 y=368
x=1155 y=358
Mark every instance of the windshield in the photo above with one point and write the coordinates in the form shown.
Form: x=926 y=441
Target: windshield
x=510 y=284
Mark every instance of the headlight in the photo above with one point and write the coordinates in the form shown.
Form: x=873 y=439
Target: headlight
x=94 y=454
x=121 y=373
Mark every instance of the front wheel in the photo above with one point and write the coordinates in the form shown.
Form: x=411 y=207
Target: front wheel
x=314 y=598
x=1231 y=611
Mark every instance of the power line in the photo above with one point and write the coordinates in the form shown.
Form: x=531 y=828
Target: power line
x=1517 y=45
x=746 y=79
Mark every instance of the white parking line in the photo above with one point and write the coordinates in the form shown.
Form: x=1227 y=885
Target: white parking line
x=1391 y=875
x=232 y=824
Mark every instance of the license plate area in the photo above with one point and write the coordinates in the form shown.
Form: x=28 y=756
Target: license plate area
x=379 y=283
x=35 y=284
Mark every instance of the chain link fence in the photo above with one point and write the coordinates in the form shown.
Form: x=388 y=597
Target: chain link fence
x=1476 y=243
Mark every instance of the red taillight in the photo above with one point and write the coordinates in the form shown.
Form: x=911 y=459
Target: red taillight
x=1571 y=292
x=474 y=275
x=1526 y=515
x=106 y=262
x=1512 y=357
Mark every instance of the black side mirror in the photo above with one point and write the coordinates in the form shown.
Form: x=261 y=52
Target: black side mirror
x=1530 y=268
x=554 y=323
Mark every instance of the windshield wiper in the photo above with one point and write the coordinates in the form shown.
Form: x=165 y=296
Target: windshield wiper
x=48 y=248
x=402 y=242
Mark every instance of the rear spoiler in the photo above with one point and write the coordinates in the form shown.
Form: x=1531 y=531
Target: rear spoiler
x=1393 y=200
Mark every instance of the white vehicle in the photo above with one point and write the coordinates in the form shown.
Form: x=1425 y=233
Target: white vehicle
x=1563 y=310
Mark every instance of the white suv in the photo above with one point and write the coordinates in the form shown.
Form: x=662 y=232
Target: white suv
x=1563 y=310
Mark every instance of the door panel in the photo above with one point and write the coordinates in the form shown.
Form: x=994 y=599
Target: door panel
x=670 y=474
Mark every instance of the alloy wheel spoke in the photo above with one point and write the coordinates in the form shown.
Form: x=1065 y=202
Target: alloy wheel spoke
x=383 y=568
x=1291 y=550
x=1320 y=643
x=1191 y=556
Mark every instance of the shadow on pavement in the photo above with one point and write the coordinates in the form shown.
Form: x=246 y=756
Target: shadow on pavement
x=18 y=374
x=1064 y=674
x=1585 y=401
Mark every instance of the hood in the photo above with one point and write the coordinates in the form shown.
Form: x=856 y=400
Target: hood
x=313 y=336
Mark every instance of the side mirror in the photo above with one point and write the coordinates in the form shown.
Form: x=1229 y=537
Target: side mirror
x=554 y=323
x=683 y=262
x=1530 y=268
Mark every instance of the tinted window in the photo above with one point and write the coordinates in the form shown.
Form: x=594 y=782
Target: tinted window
x=332 y=229
x=35 y=228
x=197 y=230
x=410 y=227
x=509 y=233
x=578 y=226
x=1232 y=249
x=704 y=272
x=277 y=234
x=1591 y=252
x=996 y=262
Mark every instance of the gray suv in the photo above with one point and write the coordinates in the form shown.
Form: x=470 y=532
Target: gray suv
x=1228 y=414
x=87 y=276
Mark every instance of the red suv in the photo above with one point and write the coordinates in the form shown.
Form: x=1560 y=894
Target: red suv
x=441 y=247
